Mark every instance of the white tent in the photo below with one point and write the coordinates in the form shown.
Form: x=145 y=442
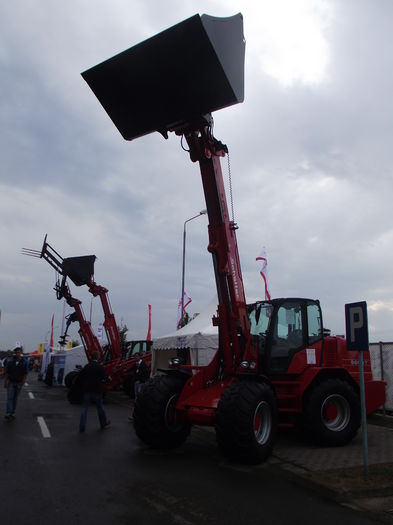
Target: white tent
x=74 y=357
x=199 y=336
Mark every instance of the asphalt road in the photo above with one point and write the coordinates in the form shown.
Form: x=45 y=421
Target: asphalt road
x=52 y=474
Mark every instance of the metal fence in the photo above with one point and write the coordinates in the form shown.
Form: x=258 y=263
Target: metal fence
x=382 y=368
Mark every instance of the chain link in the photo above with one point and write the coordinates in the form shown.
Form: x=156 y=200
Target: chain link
x=230 y=187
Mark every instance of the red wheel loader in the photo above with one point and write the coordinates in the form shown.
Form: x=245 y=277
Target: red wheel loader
x=274 y=365
x=119 y=365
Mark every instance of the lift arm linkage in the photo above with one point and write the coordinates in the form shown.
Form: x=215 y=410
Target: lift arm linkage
x=235 y=341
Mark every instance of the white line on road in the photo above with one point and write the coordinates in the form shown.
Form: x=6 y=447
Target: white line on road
x=43 y=427
x=31 y=395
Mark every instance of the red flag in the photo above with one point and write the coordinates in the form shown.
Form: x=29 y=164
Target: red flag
x=148 y=337
x=262 y=257
x=180 y=316
x=51 y=333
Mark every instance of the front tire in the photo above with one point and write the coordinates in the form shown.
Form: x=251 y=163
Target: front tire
x=156 y=421
x=247 y=422
x=75 y=391
x=70 y=378
x=333 y=413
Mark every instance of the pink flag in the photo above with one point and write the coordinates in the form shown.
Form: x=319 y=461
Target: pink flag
x=51 y=332
x=148 y=337
x=263 y=271
x=186 y=301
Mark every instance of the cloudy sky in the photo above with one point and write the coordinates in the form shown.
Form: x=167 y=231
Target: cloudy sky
x=311 y=152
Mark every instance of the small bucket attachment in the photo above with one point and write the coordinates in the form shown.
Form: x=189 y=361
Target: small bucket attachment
x=79 y=269
x=171 y=79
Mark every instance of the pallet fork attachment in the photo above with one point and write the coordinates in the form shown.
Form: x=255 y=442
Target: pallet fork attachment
x=79 y=269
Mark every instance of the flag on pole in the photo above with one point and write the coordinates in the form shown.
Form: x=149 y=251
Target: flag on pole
x=180 y=315
x=148 y=337
x=51 y=332
x=263 y=271
x=45 y=360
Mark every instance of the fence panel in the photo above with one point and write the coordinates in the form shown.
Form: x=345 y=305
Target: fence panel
x=382 y=368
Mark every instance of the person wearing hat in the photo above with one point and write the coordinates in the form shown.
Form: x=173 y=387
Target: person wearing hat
x=14 y=378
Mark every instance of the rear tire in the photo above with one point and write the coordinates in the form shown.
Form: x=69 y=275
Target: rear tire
x=155 y=420
x=332 y=413
x=247 y=422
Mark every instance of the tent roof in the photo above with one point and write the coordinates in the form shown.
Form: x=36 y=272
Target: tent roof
x=198 y=333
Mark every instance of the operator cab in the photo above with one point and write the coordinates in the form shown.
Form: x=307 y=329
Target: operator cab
x=283 y=327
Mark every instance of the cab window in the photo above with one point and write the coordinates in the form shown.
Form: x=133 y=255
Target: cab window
x=314 y=322
x=260 y=318
x=288 y=330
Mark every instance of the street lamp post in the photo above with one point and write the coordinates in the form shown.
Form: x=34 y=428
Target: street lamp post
x=202 y=212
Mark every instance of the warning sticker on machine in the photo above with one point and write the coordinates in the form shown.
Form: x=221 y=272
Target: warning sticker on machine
x=311 y=359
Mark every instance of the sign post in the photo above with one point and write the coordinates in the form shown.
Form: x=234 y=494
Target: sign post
x=356 y=324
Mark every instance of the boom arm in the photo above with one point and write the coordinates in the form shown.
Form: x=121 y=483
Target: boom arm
x=81 y=270
x=89 y=340
x=110 y=321
x=235 y=341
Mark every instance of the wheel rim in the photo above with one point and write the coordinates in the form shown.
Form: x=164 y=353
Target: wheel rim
x=262 y=422
x=335 y=412
x=171 y=419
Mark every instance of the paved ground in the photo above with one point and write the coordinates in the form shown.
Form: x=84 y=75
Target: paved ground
x=341 y=472
x=337 y=472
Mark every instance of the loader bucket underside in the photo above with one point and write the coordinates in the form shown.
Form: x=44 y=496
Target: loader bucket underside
x=79 y=269
x=171 y=79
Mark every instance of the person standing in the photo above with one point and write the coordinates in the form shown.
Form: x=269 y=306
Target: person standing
x=91 y=380
x=141 y=375
x=15 y=375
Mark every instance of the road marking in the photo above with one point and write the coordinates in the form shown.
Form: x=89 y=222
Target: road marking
x=31 y=395
x=43 y=427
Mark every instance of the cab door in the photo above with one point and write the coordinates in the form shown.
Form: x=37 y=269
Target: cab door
x=288 y=335
x=297 y=324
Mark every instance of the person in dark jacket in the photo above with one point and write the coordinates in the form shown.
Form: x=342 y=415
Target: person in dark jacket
x=92 y=379
x=141 y=375
x=14 y=378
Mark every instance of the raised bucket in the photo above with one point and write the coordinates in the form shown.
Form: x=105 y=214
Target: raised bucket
x=79 y=269
x=191 y=69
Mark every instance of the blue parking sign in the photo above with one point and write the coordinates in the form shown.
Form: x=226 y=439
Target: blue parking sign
x=356 y=324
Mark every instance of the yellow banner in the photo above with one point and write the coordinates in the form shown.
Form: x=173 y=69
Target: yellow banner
x=40 y=348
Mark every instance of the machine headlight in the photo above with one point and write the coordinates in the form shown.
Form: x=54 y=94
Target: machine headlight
x=175 y=361
x=248 y=364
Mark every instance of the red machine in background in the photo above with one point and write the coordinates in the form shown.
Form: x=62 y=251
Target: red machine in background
x=118 y=362
x=274 y=365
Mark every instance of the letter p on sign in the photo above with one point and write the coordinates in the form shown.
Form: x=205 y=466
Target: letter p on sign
x=356 y=326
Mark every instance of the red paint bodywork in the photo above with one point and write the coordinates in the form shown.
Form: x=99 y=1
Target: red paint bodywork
x=199 y=398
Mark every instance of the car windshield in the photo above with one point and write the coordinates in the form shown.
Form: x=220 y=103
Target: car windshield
x=260 y=314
